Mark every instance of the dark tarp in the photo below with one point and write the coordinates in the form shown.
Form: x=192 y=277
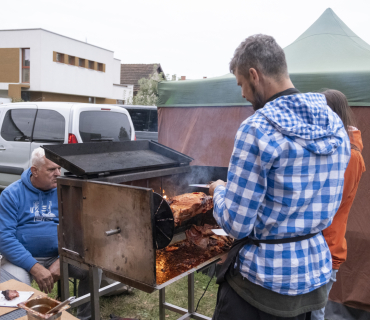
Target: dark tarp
x=200 y=118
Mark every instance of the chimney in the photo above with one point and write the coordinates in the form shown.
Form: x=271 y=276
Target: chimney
x=204 y=77
x=183 y=77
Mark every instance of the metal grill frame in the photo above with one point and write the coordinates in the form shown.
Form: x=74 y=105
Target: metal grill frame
x=70 y=258
x=170 y=170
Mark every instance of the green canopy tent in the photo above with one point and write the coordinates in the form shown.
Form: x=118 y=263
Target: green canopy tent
x=200 y=118
x=327 y=54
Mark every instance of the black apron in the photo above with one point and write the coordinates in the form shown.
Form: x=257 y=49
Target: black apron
x=233 y=255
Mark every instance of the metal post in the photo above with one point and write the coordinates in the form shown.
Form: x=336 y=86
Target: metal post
x=94 y=291
x=64 y=279
x=191 y=306
x=162 y=300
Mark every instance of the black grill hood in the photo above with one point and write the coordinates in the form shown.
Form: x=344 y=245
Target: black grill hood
x=106 y=158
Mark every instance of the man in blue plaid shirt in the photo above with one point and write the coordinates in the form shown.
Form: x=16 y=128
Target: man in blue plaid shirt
x=284 y=186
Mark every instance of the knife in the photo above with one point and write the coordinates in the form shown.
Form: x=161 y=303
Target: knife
x=199 y=185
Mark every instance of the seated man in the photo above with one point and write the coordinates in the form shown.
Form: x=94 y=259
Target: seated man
x=28 y=229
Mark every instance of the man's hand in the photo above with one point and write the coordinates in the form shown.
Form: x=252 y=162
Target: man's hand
x=55 y=270
x=223 y=258
x=43 y=277
x=214 y=185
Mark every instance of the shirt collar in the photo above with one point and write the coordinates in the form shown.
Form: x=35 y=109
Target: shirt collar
x=286 y=92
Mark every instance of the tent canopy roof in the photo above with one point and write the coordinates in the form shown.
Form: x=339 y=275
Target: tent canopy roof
x=328 y=46
x=327 y=55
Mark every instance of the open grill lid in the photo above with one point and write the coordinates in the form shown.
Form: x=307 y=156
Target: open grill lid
x=94 y=158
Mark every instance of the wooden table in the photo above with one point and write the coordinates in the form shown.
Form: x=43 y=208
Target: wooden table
x=7 y=281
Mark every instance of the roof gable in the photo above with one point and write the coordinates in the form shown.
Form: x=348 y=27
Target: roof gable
x=132 y=73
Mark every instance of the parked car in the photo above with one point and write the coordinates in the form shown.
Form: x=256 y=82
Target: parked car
x=28 y=125
x=145 y=119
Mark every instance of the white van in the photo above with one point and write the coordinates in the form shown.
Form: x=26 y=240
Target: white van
x=28 y=125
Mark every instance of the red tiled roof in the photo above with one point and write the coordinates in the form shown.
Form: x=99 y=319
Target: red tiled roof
x=132 y=73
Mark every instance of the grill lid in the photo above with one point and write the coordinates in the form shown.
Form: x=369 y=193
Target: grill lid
x=84 y=159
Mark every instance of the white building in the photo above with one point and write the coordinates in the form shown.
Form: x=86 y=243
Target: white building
x=39 y=65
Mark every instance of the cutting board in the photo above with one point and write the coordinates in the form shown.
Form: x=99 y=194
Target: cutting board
x=19 y=286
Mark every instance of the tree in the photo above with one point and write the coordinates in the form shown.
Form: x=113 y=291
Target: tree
x=148 y=92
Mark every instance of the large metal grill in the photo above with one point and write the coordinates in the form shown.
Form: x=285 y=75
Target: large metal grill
x=111 y=210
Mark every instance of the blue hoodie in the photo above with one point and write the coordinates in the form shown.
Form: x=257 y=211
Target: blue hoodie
x=28 y=222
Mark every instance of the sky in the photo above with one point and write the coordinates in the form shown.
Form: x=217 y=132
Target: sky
x=192 y=38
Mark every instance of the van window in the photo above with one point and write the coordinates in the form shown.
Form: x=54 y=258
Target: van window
x=17 y=124
x=153 y=121
x=140 y=119
x=49 y=126
x=104 y=126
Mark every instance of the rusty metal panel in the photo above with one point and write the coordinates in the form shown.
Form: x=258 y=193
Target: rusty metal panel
x=129 y=253
x=70 y=203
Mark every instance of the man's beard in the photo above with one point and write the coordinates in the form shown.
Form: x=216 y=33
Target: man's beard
x=258 y=99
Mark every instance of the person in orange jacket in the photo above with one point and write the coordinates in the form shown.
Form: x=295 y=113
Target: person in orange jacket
x=335 y=233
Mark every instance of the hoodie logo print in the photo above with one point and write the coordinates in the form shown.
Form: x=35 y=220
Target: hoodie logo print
x=44 y=214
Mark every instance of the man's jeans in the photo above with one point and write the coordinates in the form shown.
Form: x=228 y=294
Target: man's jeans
x=320 y=314
x=83 y=311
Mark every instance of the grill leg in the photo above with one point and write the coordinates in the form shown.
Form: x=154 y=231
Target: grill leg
x=94 y=289
x=64 y=279
x=191 y=306
x=162 y=300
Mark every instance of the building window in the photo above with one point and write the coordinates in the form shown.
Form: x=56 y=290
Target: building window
x=71 y=60
x=26 y=96
x=26 y=65
x=91 y=64
x=100 y=66
x=120 y=101
x=81 y=62
x=60 y=57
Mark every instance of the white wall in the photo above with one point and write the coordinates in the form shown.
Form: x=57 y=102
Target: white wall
x=116 y=71
x=5 y=100
x=128 y=93
x=49 y=76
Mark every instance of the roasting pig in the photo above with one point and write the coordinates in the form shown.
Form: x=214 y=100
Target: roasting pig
x=188 y=205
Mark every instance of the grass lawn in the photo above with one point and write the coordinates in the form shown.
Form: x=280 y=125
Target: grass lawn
x=144 y=306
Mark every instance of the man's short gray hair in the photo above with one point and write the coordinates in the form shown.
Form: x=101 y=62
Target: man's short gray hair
x=38 y=157
x=262 y=53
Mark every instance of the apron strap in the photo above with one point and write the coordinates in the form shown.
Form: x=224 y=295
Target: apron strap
x=233 y=254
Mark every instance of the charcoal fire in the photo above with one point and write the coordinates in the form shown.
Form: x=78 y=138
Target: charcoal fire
x=201 y=245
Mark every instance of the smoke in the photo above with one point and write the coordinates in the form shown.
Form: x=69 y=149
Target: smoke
x=179 y=183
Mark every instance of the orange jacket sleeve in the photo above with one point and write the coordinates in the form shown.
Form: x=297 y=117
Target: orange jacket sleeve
x=335 y=233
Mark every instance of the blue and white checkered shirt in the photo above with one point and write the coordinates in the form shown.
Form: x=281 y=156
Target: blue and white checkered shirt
x=285 y=180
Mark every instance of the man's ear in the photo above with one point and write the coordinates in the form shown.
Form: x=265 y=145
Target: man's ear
x=34 y=171
x=254 y=76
